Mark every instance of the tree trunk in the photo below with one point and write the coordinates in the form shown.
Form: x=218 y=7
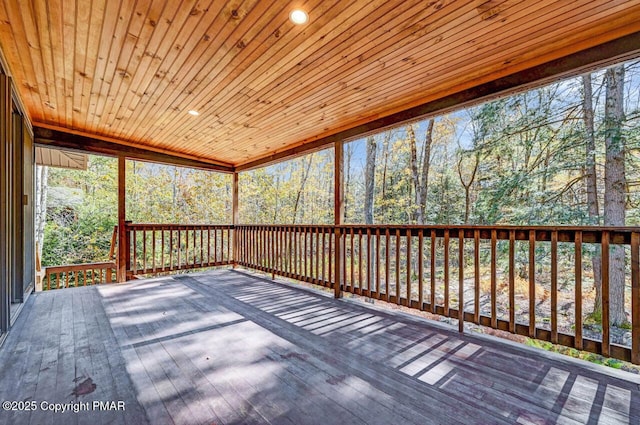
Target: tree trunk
x=615 y=187
x=42 y=177
x=420 y=178
x=385 y=163
x=467 y=184
x=305 y=176
x=348 y=153
x=369 y=179
x=426 y=166
x=591 y=181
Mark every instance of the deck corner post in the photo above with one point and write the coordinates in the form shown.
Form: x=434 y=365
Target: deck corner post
x=338 y=213
x=123 y=245
x=234 y=220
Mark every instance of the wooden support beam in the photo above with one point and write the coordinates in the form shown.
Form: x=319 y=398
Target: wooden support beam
x=338 y=191
x=56 y=138
x=122 y=233
x=235 y=218
x=613 y=51
x=338 y=208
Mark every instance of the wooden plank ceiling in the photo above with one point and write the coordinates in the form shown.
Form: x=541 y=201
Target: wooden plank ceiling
x=130 y=70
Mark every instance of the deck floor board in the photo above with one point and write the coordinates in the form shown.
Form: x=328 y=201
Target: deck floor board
x=227 y=347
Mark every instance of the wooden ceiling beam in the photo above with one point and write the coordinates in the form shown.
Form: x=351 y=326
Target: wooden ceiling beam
x=607 y=53
x=56 y=138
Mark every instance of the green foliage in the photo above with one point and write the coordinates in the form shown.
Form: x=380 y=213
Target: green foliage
x=578 y=354
x=80 y=221
x=295 y=191
x=82 y=205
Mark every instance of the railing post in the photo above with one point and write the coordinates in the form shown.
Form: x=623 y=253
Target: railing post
x=234 y=220
x=338 y=212
x=122 y=263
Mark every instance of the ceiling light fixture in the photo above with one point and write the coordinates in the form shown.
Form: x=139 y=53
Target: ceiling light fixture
x=299 y=17
x=194 y=113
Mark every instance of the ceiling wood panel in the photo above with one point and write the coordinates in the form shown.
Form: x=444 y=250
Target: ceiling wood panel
x=446 y=70
x=129 y=70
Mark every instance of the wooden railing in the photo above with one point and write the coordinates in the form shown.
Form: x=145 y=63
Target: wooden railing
x=531 y=281
x=298 y=252
x=57 y=277
x=162 y=248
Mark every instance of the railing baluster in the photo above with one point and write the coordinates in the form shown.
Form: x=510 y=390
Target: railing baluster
x=201 y=262
x=229 y=256
x=605 y=294
x=162 y=265
x=144 y=251
x=578 y=289
x=433 y=272
x=446 y=273
x=369 y=264
x=208 y=230
x=554 y=287
x=286 y=259
x=360 y=261
x=420 y=270
x=329 y=280
x=476 y=276
x=352 y=255
x=324 y=254
x=377 y=260
x=187 y=257
x=532 y=283
x=387 y=265
x=317 y=234
x=295 y=251
x=635 y=298
x=306 y=256
x=343 y=265
x=179 y=251
x=272 y=238
x=279 y=250
x=336 y=286
x=153 y=250
x=494 y=309
x=408 y=235
x=512 y=281
x=460 y=280
x=171 y=248
x=135 y=250
x=216 y=245
x=398 y=267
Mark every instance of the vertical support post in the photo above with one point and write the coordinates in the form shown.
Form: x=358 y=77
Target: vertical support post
x=123 y=243
x=235 y=218
x=338 y=214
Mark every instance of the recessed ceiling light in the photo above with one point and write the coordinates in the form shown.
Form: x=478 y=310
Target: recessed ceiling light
x=194 y=113
x=298 y=16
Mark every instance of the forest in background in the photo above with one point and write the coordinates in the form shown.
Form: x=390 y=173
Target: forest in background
x=567 y=153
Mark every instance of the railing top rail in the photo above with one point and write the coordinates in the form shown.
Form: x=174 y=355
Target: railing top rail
x=174 y=226
x=457 y=226
x=77 y=267
x=588 y=234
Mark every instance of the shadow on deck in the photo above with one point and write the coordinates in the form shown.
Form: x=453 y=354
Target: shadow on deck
x=227 y=348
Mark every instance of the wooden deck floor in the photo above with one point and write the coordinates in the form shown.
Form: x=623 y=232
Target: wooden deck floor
x=227 y=348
